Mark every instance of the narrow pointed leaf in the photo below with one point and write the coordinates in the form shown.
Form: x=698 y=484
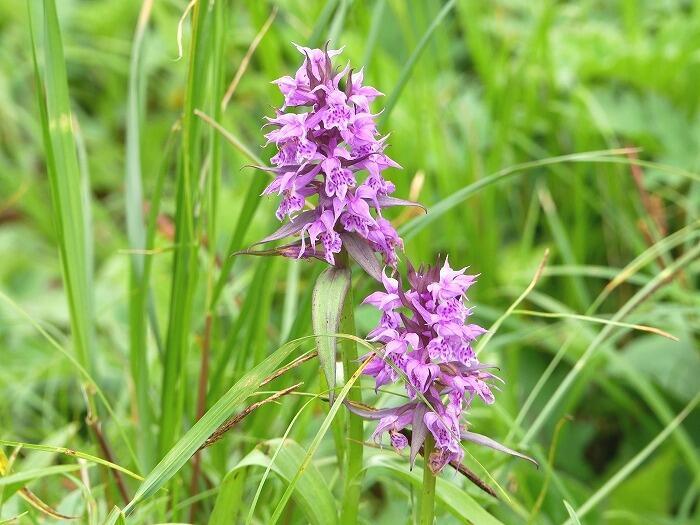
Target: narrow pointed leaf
x=288 y=250
x=327 y=303
x=68 y=187
x=115 y=517
x=363 y=254
x=368 y=412
x=488 y=442
x=572 y=513
x=387 y=202
x=291 y=227
x=419 y=431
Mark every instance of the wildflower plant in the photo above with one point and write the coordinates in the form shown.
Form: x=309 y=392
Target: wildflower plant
x=427 y=343
x=328 y=171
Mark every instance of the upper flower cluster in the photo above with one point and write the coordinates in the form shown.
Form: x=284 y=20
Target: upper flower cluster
x=320 y=152
x=428 y=341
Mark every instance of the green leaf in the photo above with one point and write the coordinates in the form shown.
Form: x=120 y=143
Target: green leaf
x=596 y=343
x=629 y=467
x=317 y=439
x=67 y=186
x=437 y=210
x=188 y=444
x=411 y=62
x=312 y=493
x=676 y=372
x=137 y=237
x=228 y=502
x=327 y=303
x=16 y=481
x=115 y=517
x=186 y=263
x=456 y=500
x=572 y=513
x=68 y=452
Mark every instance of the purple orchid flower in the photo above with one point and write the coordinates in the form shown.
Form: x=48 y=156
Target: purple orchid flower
x=321 y=153
x=427 y=343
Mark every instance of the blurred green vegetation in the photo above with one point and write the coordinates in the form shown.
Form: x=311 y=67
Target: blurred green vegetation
x=498 y=84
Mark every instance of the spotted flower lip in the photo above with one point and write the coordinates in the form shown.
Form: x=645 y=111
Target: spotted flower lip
x=330 y=160
x=427 y=344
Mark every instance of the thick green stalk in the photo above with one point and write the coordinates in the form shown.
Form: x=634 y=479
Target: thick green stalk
x=426 y=505
x=355 y=429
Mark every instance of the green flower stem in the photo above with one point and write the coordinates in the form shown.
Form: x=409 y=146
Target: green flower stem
x=426 y=505
x=355 y=429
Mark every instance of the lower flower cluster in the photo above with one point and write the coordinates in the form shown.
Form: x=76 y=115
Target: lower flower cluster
x=428 y=344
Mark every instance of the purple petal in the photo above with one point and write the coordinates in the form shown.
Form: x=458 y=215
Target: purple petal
x=398 y=441
x=291 y=227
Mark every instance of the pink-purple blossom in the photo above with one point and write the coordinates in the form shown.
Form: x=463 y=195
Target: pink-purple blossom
x=428 y=344
x=330 y=160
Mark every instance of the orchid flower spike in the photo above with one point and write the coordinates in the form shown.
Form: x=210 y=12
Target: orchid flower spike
x=327 y=140
x=428 y=344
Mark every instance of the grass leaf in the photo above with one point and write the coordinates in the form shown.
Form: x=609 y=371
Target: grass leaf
x=188 y=444
x=329 y=293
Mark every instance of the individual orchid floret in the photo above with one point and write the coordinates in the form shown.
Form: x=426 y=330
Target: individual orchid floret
x=330 y=159
x=427 y=344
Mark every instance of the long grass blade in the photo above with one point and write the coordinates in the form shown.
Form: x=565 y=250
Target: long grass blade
x=632 y=464
x=136 y=234
x=405 y=75
x=282 y=503
x=64 y=176
x=437 y=210
x=630 y=305
x=188 y=444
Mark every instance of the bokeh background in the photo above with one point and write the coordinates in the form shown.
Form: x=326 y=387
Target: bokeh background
x=507 y=86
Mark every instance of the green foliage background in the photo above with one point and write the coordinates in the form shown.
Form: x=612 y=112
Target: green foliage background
x=117 y=235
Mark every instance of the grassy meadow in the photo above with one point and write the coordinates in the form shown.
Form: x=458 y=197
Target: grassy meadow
x=556 y=146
